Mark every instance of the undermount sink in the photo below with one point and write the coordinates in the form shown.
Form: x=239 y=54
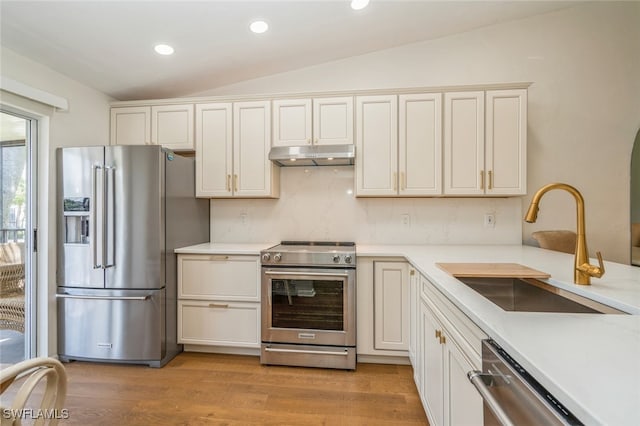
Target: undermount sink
x=532 y=295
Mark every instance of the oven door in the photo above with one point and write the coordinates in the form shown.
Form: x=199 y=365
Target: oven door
x=309 y=306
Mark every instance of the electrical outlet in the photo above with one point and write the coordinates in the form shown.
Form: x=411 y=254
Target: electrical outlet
x=489 y=220
x=244 y=218
x=406 y=219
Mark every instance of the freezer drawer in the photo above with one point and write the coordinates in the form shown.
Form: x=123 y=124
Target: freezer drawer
x=114 y=325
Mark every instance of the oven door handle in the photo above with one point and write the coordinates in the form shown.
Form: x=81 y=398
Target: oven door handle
x=307 y=274
x=478 y=379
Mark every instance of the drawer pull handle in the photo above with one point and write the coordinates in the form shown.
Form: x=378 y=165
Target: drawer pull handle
x=218 y=305
x=219 y=258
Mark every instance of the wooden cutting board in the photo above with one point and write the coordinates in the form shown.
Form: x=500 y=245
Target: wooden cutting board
x=491 y=270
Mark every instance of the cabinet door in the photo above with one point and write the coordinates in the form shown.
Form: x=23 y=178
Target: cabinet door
x=172 y=126
x=291 y=122
x=219 y=277
x=420 y=144
x=214 y=150
x=464 y=172
x=391 y=306
x=333 y=121
x=506 y=142
x=219 y=323
x=131 y=126
x=376 y=145
x=432 y=366
x=463 y=403
x=252 y=170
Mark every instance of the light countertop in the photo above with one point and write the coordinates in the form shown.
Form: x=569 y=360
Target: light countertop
x=590 y=362
x=225 y=248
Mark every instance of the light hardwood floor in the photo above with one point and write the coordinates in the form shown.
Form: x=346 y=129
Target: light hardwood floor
x=211 y=389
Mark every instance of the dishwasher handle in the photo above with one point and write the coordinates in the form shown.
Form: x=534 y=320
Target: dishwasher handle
x=479 y=380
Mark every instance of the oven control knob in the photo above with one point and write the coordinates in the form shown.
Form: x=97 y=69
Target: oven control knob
x=277 y=257
x=266 y=257
x=336 y=258
x=347 y=259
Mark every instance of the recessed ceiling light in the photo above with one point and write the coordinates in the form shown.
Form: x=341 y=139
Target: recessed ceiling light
x=163 y=49
x=359 y=4
x=259 y=27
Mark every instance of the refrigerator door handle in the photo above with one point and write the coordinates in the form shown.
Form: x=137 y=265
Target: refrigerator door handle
x=108 y=209
x=93 y=238
x=73 y=296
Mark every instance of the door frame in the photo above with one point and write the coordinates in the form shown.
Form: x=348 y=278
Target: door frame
x=31 y=226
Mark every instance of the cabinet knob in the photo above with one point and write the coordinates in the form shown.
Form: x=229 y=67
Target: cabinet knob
x=438 y=334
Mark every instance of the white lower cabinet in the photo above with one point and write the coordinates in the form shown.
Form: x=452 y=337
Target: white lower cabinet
x=391 y=306
x=218 y=323
x=382 y=293
x=219 y=300
x=450 y=347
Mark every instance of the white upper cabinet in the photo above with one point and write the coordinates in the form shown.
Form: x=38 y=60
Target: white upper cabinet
x=168 y=125
x=131 y=126
x=254 y=175
x=464 y=143
x=292 y=122
x=320 y=121
x=399 y=147
x=377 y=145
x=214 y=150
x=232 y=146
x=172 y=126
x=506 y=143
x=333 y=121
x=489 y=160
x=420 y=144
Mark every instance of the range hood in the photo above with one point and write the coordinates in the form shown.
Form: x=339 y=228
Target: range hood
x=313 y=155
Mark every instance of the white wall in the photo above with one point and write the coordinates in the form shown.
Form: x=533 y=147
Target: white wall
x=85 y=123
x=584 y=105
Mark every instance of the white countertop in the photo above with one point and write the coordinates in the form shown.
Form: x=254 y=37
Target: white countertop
x=225 y=248
x=590 y=362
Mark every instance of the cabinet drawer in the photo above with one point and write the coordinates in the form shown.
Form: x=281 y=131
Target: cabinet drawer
x=220 y=277
x=219 y=323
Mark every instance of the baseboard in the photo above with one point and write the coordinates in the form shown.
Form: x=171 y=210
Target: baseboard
x=222 y=350
x=383 y=359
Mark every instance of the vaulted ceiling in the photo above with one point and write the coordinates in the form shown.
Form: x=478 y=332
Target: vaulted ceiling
x=108 y=45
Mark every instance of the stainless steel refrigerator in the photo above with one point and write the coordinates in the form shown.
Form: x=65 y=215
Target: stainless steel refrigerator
x=122 y=210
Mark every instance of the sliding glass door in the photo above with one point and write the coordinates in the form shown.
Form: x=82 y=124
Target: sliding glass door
x=17 y=257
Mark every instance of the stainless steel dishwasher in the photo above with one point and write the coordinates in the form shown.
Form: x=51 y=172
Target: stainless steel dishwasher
x=511 y=396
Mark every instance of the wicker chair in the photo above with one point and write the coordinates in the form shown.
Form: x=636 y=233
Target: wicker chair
x=51 y=408
x=11 y=287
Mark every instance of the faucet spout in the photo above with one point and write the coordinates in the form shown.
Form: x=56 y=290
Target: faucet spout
x=583 y=271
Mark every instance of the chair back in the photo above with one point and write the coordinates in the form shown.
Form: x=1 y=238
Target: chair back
x=12 y=252
x=564 y=241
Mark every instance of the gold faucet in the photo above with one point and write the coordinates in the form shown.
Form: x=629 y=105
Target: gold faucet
x=583 y=271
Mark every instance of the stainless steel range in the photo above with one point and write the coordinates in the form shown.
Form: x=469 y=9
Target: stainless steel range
x=309 y=304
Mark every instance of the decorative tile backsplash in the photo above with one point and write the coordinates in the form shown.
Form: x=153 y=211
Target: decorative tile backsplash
x=318 y=203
